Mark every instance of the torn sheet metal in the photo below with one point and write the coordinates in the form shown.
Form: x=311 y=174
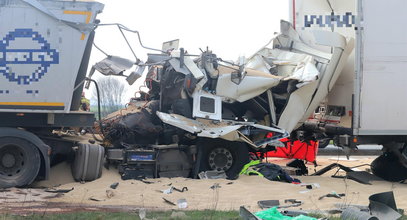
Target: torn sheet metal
x=290 y=65
x=246 y=214
x=356 y=214
x=113 y=65
x=384 y=206
x=251 y=85
x=193 y=126
x=189 y=64
x=216 y=129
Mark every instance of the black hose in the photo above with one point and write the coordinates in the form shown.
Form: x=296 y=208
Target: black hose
x=99 y=111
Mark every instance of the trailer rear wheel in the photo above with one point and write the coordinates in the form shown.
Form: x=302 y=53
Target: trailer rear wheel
x=20 y=162
x=323 y=143
x=88 y=162
x=222 y=155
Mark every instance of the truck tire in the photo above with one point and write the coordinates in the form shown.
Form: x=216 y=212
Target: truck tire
x=223 y=155
x=20 y=162
x=323 y=143
x=388 y=167
x=88 y=162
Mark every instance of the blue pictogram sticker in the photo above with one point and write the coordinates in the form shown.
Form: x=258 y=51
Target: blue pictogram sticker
x=42 y=55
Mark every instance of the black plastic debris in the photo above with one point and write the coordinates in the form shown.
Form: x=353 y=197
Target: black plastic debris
x=381 y=206
x=246 y=214
x=302 y=169
x=332 y=195
x=265 y=204
x=146 y=182
x=388 y=167
x=96 y=199
x=356 y=214
x=169 y=202
x=330 y=167
x=215 y=186
x=384 y=206
x=180 y=190
x=114 y=185
x=362 y=177
x=358 y=176
x=291 y=203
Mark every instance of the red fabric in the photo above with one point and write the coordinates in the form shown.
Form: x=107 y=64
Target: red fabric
x=296 y=150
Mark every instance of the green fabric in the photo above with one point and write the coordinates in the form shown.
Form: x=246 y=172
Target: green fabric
x=245 y=169
x=85 y=100
x=274 y=214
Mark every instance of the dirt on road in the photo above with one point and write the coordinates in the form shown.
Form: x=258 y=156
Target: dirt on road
x=219 y=194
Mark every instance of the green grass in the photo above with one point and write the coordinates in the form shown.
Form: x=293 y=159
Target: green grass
x=158 y=215
x=207 y=214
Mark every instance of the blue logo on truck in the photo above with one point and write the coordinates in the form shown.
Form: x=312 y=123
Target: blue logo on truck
x=40 y=58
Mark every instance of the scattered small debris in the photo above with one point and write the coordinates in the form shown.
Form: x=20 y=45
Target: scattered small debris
x=180 y=190
x=215 y=186
x=167 y=191
x=114 y=185
x=294 y=203
x=357 y=214
x=212 y=174
x=96 y=199
x=333 y=195
x=246 y=214
x=383 y=206
x=266 y=204
x=300 y=165
x=59 y=190
x=109 y=193
x=310 y=185
x=146 y=182
x=344 y=206
x=362 y=177
x=182 y=203
x=142 y=213
x=169 y=202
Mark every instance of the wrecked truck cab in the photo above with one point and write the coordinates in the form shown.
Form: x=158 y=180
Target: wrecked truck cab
x=214 y=112
x=293 y=76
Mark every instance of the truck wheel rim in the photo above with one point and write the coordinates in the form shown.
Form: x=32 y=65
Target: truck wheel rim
x=220 y=159
x=12 y=160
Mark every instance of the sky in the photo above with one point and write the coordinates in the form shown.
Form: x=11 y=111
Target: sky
x=229 y=28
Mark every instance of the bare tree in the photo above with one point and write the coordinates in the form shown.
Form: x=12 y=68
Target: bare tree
x=112 y=92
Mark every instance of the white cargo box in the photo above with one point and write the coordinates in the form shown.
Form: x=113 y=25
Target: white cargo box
x=381 y=64
x=372 y=86
x=42 y=44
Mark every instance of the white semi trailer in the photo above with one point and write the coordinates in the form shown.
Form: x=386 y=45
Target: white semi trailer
x=369 y=96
